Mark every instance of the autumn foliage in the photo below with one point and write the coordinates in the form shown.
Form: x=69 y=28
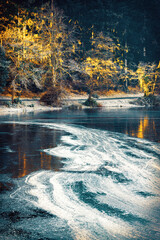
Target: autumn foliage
x=148 y=76
x=45 y=53
x=39 y=46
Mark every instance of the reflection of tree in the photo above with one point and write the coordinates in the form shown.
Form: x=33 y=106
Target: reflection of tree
x=23 y=168
x=28 y=143
x=146 y=127
x=45 y=161
x=143 y=125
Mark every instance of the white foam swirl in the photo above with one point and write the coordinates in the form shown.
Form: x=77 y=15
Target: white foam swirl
x=109 y=184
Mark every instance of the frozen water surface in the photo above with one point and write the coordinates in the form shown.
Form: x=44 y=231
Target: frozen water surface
x=90 y=174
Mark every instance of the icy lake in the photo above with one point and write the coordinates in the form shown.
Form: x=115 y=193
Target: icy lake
x=80 y=175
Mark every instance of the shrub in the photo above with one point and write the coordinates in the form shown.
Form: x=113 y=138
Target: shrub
x=31 y=105
x=149 y=101
x=90 y=102
x=53 y=97
x=8 y=104
x=17 y=101
x=75 y=107
x=95 y=95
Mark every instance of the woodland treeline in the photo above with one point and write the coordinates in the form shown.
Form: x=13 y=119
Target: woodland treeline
x=42 y=49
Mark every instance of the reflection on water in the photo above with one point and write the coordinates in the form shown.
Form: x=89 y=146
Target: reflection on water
x=146 y=127
x=143 y=125
x=22 y=166
x=26 y=166
x=77 y=175
x=108 y=188
x=22 y=146
x=140 y=124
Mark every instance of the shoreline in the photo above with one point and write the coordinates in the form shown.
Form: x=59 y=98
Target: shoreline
x=114 y=101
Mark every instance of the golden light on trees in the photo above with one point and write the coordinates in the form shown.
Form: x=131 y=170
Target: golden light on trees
x=100 y=66
x=39 y=45
x=147 y=76
x=22 y=48
x=99 y=70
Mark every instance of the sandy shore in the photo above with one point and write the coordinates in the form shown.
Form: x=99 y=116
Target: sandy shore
x=30 y=105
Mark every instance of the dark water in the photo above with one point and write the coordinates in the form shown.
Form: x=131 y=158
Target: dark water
x=90 y=174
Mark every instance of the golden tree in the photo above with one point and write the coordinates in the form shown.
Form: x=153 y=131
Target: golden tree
x=21 y=47
x=101 y=72
x=148 y=74
x=40 y=46
x=100 y=66
x=57 y=44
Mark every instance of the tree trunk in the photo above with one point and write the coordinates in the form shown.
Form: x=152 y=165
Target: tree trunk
x=126 y=79
x=90 y=96
x=13 y=94
x=52 y=6
x=125 y=68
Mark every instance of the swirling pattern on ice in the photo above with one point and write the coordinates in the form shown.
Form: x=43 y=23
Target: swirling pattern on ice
x=108 y=188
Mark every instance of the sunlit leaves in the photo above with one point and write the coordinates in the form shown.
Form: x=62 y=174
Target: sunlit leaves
x=38 y=40
x=147 y=76
x=100 y=65
x=79 y=42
